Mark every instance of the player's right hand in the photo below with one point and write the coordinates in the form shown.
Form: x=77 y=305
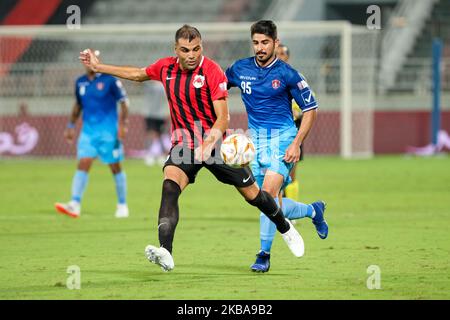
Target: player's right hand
x=89 y=59
x=69 y=135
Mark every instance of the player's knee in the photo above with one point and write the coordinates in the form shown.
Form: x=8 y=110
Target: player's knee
x=270 y=191
x=171 y=189
x=85 y=164
x=115 y=168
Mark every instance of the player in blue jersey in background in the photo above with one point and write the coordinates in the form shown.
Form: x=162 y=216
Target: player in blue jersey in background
x=268 y=86
x=101 y=136
x=291 y=190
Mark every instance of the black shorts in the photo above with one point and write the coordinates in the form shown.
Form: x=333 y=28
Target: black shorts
x=183 y=158
x=298 y=122
x=154 y=124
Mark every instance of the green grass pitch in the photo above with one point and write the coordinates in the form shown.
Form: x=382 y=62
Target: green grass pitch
x=392 y=212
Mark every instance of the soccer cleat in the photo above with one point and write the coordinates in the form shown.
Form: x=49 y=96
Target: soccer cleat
x=122 y=211
x=72 y=209
x=160 y=256
x=318 y=220
x=294 y=241
x=262 y=263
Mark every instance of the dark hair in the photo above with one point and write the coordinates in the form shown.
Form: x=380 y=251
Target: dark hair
x=266 y=27
x=281 y=45
x=187 y=32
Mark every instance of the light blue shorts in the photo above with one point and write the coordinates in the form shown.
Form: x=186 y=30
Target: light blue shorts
x=106 y=146
x=270 y=151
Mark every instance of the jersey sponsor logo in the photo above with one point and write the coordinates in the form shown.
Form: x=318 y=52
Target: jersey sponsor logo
x=199 y=81
x=223 y=86
x=276 y=83
x=100 y=86
x=247 y=78
x=302 y=85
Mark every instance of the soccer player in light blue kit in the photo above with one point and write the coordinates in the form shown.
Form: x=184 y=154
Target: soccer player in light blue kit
x=101 y=136
x=268 y=86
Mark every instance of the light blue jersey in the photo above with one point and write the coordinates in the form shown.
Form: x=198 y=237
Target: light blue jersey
x=98 y=99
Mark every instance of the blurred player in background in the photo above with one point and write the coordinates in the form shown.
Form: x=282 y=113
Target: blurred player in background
x=158 y=141
x=196 y=88
x=268 y=86
x=101 y=135
x=291 y=190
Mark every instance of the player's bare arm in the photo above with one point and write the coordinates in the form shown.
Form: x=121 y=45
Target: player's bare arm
x=69 y=133
x=123 y=119
x=216 y=132
x=90 y=60
x=293 y=151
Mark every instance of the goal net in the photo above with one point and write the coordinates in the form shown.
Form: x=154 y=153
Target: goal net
x=39 y=65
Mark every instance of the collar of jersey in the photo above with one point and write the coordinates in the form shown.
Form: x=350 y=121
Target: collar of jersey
x=266 y=67
x=97 y=75
x=198 y=67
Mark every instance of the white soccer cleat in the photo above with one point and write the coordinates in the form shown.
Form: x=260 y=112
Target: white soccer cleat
x=160 y=256
x=122 y=211
x=294 y=241
x=72 y=208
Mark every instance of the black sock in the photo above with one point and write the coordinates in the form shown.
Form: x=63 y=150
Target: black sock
x=268 y=206
x=168 y=213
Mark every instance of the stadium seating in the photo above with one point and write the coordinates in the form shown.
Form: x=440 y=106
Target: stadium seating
x=116 y=11
x=415 y=74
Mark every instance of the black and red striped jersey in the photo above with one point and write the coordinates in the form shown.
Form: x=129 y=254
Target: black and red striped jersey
x=190 y=94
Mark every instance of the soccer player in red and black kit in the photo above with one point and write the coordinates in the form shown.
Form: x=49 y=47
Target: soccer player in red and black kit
x=196 y=88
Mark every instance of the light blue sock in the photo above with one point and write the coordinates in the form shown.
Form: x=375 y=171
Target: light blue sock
x=79 y=182
x=267 y=231
x=296 y=210
x=121 y=187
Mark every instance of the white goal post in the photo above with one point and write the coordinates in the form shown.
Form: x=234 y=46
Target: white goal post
x=337 y=58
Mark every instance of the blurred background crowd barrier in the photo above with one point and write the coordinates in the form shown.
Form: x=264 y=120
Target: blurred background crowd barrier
x=374 y=85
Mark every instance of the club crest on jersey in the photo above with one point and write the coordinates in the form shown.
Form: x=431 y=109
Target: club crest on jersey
x=276 y=84
x=100 y=86
x=199 y=81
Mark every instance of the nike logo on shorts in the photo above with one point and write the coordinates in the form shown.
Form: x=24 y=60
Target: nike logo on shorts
x=245 y=180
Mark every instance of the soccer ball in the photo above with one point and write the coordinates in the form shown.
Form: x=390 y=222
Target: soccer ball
x=237 y=150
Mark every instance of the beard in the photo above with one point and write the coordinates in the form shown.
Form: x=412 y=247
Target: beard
x=263 y=59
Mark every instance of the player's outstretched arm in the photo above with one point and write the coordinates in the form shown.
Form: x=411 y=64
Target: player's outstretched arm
x=217 y=130
x=90 y=60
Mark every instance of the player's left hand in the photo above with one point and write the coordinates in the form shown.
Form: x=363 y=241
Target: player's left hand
x=89 y=59
x=292 y=153
x=203 y=152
